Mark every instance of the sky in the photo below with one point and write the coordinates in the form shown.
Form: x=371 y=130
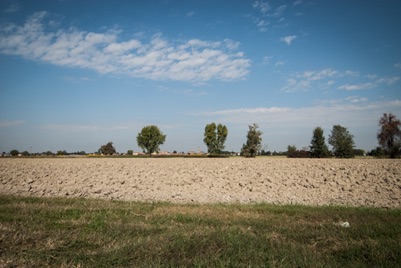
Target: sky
x=75 y=75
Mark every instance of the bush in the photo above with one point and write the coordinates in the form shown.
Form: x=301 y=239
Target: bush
x=218 y=156
x=299 y=154
x=378 y=152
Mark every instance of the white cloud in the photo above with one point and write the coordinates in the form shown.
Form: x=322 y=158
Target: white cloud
x=330 y=82
x=250 y=111
x=305 y=80
x=279 y=11
x=267 y=14
x=266 y=59
x=261 y=24
x=190 y=13
x=288 y=39
x=388 y=80
x=230 y=44
x=158 y=59
x=8 y=123
x=397 y=66
x=322 y=79
x=262 y=6
x=73 y=79
x=369 y=85
x=279 y=63
x=318 y=75
x=351 y=73
x=356 y=99
x=183 y=91
x=298 y=2
x=361 y=86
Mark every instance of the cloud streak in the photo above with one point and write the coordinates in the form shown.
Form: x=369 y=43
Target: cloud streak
x=351 y=111
x=158 y=59
x=12 y=8
x=80 y=128
x=8 y=123
x=369 y=85
x=325 y=78
x=304 y=81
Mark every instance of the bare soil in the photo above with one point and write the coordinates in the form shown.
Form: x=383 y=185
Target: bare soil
x=350 y=182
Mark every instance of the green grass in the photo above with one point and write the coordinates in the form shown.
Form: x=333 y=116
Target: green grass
x=58 y=232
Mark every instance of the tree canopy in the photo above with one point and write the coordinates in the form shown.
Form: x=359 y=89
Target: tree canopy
x=25 y=153
x=150 y=138
x=14 y=152
x=389 y=135
x=318 y=147
x=253 y=143
x=215 y=137
x=342 y=142
x=107 y=149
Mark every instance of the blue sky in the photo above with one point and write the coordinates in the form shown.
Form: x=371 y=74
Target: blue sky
x=77 y=74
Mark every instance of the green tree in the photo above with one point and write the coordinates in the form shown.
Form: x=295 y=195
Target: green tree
x=318 y=147
x=291 y=149
x=389 y=135
x=130 y=152
x=107 y=149
x=150 y=138
x=359 y=152
x=25 y=153
x=253 y=142
x=215 y=137
x=342 y=142
x=378 y=152
x=14 y=152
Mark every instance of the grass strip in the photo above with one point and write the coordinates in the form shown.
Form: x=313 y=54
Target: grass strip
x=66 y=232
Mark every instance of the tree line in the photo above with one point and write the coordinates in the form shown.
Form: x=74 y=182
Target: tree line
x=341 y=140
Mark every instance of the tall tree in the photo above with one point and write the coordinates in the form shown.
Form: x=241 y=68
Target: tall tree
x=253 y=142
x=318 y=147
x=342 y=142
x=389 y=135
x=150 y=138
x=107 y=149
x=215 y=137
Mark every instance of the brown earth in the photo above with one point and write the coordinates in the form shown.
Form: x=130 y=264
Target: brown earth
x=351 y=182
